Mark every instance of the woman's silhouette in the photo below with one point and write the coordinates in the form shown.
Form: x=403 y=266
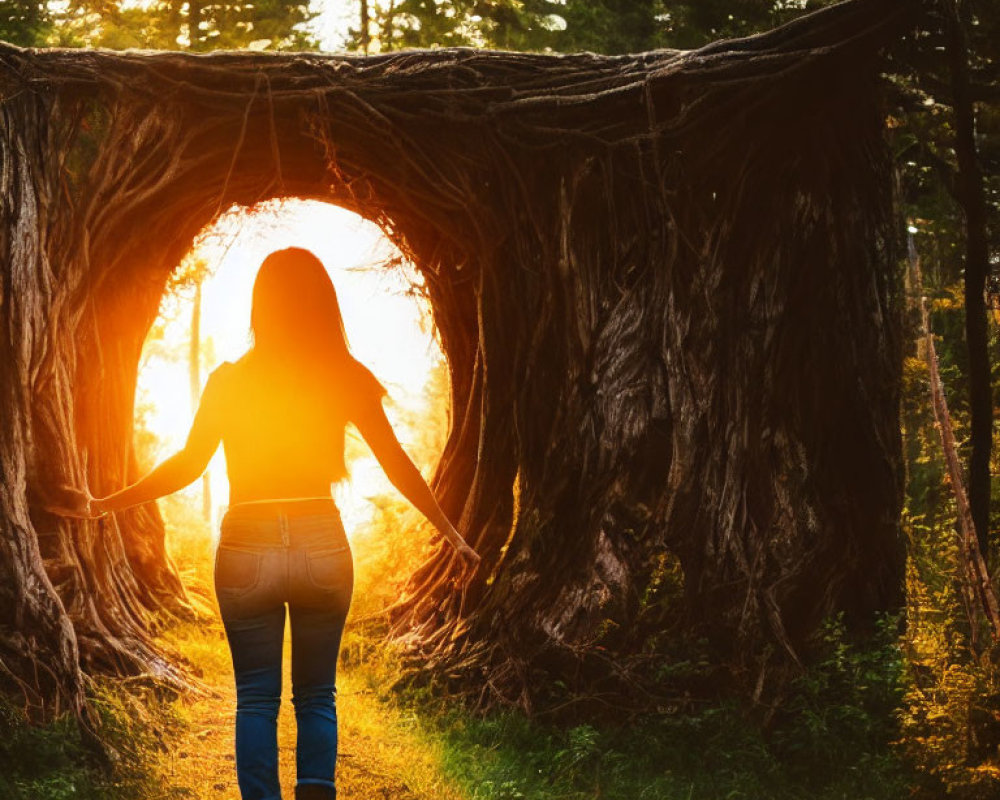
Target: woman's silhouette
x=280 y=412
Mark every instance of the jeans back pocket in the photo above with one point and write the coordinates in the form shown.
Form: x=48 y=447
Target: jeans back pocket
x=236 y=570
x=330 y=567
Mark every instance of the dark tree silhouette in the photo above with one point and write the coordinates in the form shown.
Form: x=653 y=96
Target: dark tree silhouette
x=666 y=286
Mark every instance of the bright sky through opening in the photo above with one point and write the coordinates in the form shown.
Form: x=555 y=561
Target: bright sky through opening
x=387 y=329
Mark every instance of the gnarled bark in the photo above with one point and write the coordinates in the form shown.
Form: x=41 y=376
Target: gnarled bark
x=664 y=284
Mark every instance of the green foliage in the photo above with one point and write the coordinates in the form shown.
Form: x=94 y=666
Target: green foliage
x=922 y=131
x=51 y=761
x=833 y=738
x=949 y=723
x=45 y=761
x=600 y=26
x=710 y=754
x=178 y=24
x=628 y=26
x=503 y=24
x=841 y=713
x=950 y=719
x=24 y=22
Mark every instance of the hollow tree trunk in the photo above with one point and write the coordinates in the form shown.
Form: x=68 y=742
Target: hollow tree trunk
x=664 y=284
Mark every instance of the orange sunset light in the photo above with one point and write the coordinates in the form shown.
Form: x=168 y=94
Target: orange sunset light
x=388 y=326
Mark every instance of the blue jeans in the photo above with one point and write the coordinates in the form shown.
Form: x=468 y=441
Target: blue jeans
x=270 y=555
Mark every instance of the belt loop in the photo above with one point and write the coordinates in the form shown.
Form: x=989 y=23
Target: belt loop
x=283 y=524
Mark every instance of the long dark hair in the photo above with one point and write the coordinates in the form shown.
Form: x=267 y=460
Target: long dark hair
x=298 y=332
x=295 y=314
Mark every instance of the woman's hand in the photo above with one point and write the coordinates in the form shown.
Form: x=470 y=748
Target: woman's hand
x=469 y=560
x=98 y=507
x=82 y=505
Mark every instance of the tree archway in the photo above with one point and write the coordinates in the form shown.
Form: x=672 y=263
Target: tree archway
x=665 y=285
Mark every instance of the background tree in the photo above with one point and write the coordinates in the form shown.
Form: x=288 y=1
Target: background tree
x=24 y=22
x=946 y=132
x=192 y=274
x=599 y=26
x=194 y=25
x=500 y=24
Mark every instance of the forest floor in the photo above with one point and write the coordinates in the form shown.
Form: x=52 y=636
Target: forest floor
x=410 y=745
x=381 y=751
x=416 y=744
x=384 y=751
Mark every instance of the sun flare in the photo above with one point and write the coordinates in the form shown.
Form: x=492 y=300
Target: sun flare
x=388 y=326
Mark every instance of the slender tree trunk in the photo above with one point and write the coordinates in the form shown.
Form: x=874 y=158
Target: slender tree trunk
x=388 y=27
x=194 y=377
x=365 y=35
x=977 y=587
x=195 y=34
x=973 y=202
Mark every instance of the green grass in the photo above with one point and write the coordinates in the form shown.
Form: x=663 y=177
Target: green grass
x=711 y=755
x=833 y=739
x=51 y=761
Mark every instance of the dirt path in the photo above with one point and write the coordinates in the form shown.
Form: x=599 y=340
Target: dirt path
x=382 y=753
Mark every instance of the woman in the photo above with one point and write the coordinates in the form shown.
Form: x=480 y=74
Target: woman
x=280 y=413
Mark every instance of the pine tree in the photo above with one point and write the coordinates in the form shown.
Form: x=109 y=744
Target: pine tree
x=190 y=25
x=24 y=22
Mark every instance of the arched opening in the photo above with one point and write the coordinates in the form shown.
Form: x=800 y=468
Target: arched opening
x=204 y=320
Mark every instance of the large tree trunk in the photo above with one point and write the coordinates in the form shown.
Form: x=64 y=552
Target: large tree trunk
x=692 y=347
x=665 y=286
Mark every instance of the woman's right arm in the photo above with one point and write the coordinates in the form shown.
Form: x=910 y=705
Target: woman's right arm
x=404 y=475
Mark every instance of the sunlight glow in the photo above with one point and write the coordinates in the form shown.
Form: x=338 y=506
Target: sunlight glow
x=388 y=327
x=330 y=25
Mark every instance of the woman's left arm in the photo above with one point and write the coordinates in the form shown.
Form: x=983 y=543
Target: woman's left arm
x=184 y=466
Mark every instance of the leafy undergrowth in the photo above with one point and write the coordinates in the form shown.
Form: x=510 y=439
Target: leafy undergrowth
x=833 y=740
x=51 y=762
